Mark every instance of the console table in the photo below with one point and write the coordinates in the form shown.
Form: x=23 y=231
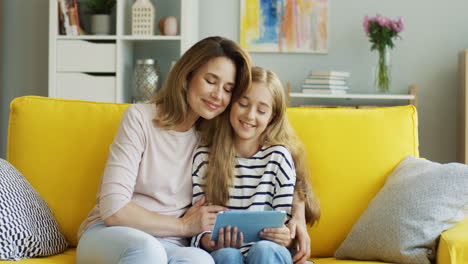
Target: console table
x=410 y=98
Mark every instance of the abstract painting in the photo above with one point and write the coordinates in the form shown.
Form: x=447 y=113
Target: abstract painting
x=299 y=26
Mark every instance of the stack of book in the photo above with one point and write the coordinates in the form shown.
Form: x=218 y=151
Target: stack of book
x=326 y=82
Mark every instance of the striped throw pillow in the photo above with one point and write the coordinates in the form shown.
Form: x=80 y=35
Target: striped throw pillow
x=27 y=226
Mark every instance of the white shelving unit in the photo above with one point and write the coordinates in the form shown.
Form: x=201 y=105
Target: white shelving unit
x=100 y=67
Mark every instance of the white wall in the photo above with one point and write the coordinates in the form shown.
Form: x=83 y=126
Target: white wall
x=427 y=55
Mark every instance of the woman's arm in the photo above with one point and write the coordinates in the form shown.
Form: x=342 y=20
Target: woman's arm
x=119 y=180
x=197 y=219
x=298 y=228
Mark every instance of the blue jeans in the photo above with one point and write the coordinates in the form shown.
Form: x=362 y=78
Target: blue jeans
x=125 y=245
x=262 y=252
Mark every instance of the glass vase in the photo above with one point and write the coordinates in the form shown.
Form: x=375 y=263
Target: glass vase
x=145 y=80
x=383 y=70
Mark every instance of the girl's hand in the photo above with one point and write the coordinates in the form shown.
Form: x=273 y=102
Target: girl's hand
x=199 y=218
x=299 y=231
x=280 y=235
x=228 y=237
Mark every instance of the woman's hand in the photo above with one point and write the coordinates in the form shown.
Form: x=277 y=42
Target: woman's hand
x=280 y=235
x=228 y=237
x=299 y=231
x=199 y=218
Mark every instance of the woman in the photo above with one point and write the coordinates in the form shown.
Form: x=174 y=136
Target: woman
x=141 y=212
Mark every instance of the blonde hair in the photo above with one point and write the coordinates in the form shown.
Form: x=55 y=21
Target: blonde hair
x=220 y=139
x=171 y=100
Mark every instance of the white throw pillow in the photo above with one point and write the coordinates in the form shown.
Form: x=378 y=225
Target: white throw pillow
x=419 y=200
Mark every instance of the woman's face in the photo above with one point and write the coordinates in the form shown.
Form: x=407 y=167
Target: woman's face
x=252 y=113
x=210 y=89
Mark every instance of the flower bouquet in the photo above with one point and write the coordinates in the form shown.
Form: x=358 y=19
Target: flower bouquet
x=382 y=31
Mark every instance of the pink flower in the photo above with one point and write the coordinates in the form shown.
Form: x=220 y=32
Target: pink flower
x=401 y=24
x=383 y=21
x=365 y=24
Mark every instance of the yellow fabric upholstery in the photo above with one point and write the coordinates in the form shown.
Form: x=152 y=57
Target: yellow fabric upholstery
x=453 y=245
x=61 y=147
x=350 y=153
x=67 y=257
x=336 y=261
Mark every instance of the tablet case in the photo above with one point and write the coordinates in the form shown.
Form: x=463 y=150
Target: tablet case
x=250 y=223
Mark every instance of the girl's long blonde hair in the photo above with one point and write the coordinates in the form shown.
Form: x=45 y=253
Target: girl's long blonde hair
x=219 y=136
x=171 y=100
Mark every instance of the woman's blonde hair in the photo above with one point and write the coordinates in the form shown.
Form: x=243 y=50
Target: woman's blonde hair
x=171 y=100
x=220 y=139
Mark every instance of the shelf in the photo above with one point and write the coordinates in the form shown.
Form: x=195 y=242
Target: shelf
x=89 y=37
x=355 y=96
x=131 y=37
x=114 y=37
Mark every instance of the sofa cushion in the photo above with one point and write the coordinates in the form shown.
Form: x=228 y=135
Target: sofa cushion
x=61 y=147
x=351 y=152
x=419 y=200
x=27 y=226
x=67 y=257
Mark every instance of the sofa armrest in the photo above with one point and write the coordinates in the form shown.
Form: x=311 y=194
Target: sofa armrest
x=453 y=245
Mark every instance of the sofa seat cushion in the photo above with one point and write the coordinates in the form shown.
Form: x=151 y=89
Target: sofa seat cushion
x=337 y=261
x=67 y=257
x=350 y=154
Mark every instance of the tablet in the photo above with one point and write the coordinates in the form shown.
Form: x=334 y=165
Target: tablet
x=250 y=223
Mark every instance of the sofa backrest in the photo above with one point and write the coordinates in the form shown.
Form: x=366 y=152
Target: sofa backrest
x=350 y=153
x=61 y=147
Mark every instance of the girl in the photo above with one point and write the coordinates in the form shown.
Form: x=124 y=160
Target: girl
x=250 y=165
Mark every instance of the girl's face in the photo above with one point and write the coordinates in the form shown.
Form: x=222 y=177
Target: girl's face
x=252 y=113
x=210 y=88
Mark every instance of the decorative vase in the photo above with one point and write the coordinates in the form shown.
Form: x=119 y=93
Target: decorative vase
x=143 y=16
x=100 y=24
x=168 y=26
x=145 y=80
x=382 y=70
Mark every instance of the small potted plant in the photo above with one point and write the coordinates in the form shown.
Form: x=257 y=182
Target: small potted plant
x=101 y=16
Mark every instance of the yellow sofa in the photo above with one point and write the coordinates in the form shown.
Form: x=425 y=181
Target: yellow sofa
x=61 y=147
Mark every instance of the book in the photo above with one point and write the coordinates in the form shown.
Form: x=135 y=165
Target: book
x=325 y=86
x=324 y=81
x=323 y=77
x=69 y=19
x=324 y=91
x=331 y=73
x=65 y=19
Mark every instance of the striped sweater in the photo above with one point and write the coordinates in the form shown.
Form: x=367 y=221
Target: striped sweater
x=262 y=182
